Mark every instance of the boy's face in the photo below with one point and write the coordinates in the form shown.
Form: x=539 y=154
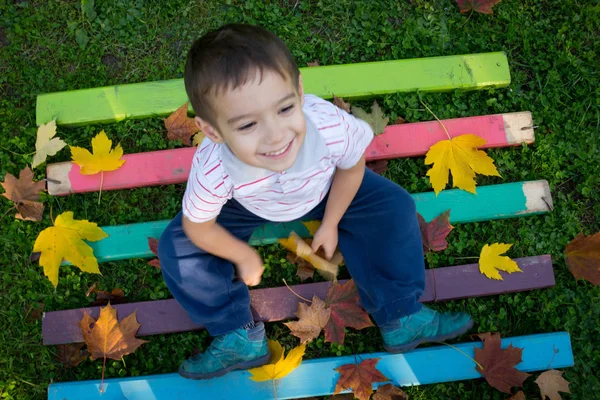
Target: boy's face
x=261 y=122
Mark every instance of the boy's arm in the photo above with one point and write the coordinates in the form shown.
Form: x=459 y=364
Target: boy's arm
x=214 y=239
x=343 y=189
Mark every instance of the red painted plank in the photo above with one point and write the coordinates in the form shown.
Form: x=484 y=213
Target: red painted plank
x=398 y=141
x=276 y=304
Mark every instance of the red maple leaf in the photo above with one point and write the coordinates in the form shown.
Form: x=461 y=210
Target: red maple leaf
x=434 y=233
x=345 y=311
x=359 y=378
x=481 y=6
x=153 y=244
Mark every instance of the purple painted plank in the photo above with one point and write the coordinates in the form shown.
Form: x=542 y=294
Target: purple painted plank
x=276 y=304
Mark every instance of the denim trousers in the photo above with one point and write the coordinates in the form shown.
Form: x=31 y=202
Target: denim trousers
x=378 y=236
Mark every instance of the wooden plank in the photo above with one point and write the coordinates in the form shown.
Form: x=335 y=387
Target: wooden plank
x=507 y=200
x=277 y=304
x=398 y=141
x=317 y=377
x=139 y=100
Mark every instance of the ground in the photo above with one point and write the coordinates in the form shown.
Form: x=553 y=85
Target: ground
x=552 y=48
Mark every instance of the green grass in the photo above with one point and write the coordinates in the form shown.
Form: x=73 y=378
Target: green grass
x=552 y=48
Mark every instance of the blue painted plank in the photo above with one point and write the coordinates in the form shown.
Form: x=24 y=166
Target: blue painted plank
x=317 y=377
x=507 y=200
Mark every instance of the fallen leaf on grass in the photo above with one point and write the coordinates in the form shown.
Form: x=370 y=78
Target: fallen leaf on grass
x=433 y=234
x=490 y=261
x=551 y=382
x=460 y=157
x=25 y=194
x=345 y=311
x=304 y=270
x=499 y=364
x=311 y=320
x=279 y=366
x=116 y=296
x=71 y=355
x=339 y=102
x=379 y=166
x=481 y=6
x=35 y=311
x=180 y=126
x=65 y=240
x=359 y=378
x=102 y=158
x=153 y=244
x=389 y=392
x=376 y=118
x=295 y=244
x=583 y=257
x=313 y=64
x=46 y=144
x=517 y=396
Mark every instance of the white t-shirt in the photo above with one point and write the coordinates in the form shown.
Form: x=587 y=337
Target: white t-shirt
x=334 y=139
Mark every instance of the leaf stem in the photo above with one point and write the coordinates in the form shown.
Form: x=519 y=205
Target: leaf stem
x=16 y=154
x=274 y=389
x=7 y=211
x=438 y=120
x=102 y=381
x=297 y=295
x=101 y=183
x=463 y=353
x=464 y=258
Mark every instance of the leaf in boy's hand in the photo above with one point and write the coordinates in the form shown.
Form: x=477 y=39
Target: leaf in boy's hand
x=491 y=261
x=297 y=245
x=345 y=311
x=460 y=157
x=551 y=382
x=311 y=320
x=583 y=257
x=180 y=126
x=71 y=355
x=481 y=6
x=46 y=144
x=339 y=102
x=376 y=118
x=25 y=194
x=389 y=392
x=305 y=270
x=359 y=378
x=102 y=158
x=433 y=234
x=499 y=364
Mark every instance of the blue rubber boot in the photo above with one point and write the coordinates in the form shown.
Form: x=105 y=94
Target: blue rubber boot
x=423 y=326
x=238 y=349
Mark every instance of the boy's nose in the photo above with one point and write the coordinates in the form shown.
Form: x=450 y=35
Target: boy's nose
x=275 y=135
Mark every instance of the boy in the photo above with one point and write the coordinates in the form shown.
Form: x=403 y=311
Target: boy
x=272 y=153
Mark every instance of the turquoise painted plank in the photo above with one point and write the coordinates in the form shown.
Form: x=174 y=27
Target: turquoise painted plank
x=318 y=377
x=140 y=100
x=491 y=202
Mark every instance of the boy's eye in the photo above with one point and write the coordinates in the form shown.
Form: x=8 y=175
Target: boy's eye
x=247 y=126
x=286 y=109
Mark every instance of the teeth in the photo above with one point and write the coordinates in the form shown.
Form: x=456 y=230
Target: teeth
x=278 y=152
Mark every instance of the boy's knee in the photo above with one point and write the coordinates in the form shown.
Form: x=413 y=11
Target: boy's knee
x=402 y=200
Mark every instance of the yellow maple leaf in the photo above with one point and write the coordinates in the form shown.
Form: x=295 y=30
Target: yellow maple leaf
x=103 y=158
x=279 y=366
x=460 y=156
x=46 y=144
x=490 y=261
x=65 y=240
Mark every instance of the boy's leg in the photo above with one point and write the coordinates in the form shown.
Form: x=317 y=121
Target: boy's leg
x=380 y=239
x=206 y=287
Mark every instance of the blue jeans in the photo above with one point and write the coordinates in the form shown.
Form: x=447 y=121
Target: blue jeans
x=379 y=238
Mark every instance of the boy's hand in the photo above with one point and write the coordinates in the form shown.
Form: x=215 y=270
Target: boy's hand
x=326 y=237
x=250 y=270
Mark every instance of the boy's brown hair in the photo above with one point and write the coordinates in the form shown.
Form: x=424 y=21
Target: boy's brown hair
x=227 y=58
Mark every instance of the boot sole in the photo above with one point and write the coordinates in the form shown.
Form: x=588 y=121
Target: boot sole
x=441 y=338
x=258 y=362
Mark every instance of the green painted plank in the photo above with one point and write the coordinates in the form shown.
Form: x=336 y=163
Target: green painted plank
x=139 y=100
x=491 y=202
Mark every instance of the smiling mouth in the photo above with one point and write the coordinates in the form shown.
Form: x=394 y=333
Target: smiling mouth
x=280 y=152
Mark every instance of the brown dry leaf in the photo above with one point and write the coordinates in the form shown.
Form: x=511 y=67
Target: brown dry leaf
x=116 y=296
x=433 y=234
x=180 y=126
x=345 y=311
x=481 y=6
x=341 y=103
x=399 y=121
x=378 y=166
x=359 y=378
x=25 y=194
x=389 y=392
x=153 y=244
x=305 y=270
x=297 y=245
x=583 y=257
x=35 y=311
x=499 y=364
x=71 y=355
x=517 y=396
x=551 y=382
x=313 y=64
x=311 y=320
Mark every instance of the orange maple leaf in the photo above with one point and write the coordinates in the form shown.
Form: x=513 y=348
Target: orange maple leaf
x=583 y=257
x=359 y=378
x=25 y=193
x=310 y=320
x=180 y=126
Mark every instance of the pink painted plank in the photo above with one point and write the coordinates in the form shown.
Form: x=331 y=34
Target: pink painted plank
x=398 y=141
x=277 y=304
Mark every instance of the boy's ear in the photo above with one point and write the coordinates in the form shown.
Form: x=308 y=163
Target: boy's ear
x=208 y=130
x=300 y=90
